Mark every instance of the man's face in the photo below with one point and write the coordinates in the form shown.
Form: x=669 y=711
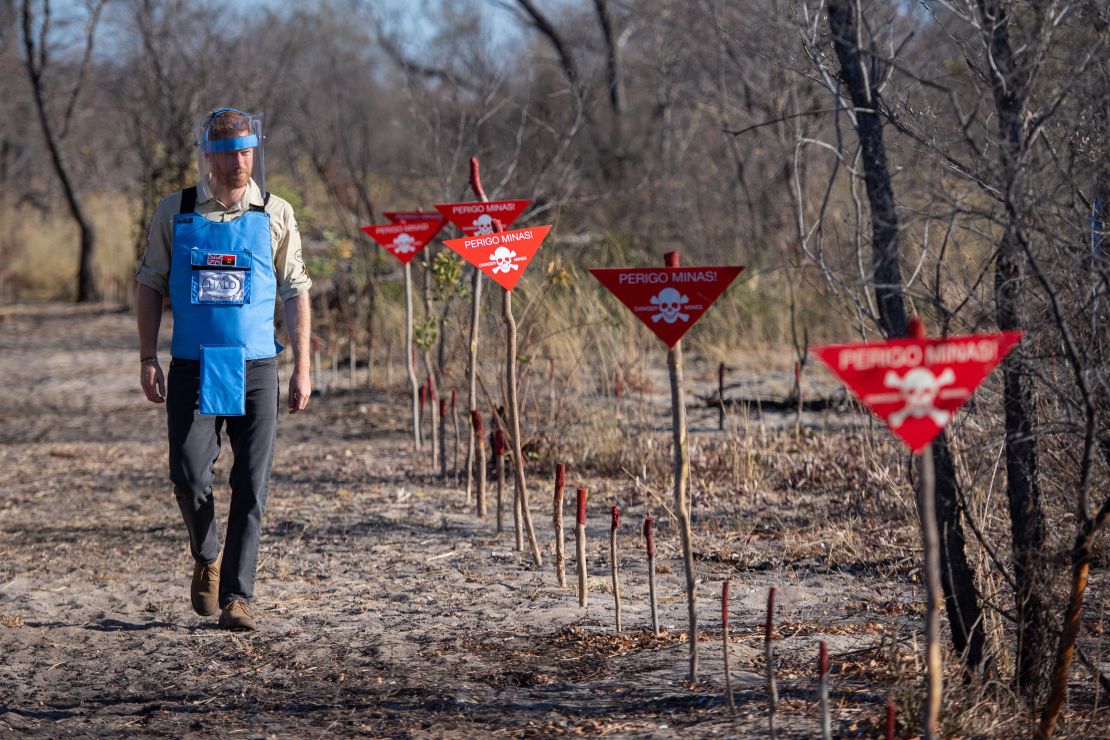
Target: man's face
x=232 y=169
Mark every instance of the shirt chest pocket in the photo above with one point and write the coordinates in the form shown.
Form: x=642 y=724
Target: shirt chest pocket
x=220 y=277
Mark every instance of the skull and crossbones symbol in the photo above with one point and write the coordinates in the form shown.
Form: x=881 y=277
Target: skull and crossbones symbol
x=670 y=303
x=404 y=244
x=504 y=257
x=483 y=225
x=919 y=388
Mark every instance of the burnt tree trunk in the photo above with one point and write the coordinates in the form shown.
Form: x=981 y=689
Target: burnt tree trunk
x=35 y=62
x=860 y=76
x=1009 y=80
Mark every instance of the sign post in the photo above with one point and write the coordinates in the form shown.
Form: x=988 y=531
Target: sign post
x=433 y=217
x=476 y=219
x=669 y=301
x=916 y=385
x=404 y=240
x=503 y=256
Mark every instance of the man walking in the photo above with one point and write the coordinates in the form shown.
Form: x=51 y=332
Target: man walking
x=224 y=251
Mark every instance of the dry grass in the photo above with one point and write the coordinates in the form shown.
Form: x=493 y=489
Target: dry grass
x=41 y=250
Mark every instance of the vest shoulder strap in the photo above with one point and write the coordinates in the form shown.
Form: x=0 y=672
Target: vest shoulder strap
x=261 y=208
x=188 y=200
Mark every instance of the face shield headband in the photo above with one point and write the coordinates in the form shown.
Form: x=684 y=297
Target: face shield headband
x=217 y=146
x=207 y=148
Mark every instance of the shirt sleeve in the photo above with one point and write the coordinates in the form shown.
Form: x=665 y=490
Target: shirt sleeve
x=154 y=270
x=288 y=259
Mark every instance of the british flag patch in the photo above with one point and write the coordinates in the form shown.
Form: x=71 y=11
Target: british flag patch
x=221 y=260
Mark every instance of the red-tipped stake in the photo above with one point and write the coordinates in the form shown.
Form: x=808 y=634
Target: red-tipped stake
x=557 y=521
x=772 y=689
x=724 y=639
x=580 y=544
x=455 y=427
x=479 y=431
x=499 y=456
x=649 y=544
x=890 y=723
x=475 y=180
x=823 y=689
x=615 y=522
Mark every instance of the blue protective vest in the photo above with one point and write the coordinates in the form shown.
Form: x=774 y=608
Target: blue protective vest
x=222 y=284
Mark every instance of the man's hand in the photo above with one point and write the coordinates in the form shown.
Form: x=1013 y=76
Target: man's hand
x=153 y=382
x=298 y=319
x=300 y=390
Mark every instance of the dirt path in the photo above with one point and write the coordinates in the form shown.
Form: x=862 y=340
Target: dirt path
x=385 y=608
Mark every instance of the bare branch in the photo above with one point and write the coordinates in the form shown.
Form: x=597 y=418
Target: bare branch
x=86 y=63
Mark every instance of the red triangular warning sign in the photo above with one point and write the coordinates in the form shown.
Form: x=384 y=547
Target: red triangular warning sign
x=917 y=385
x=669 y=300
x=405 y=239
x=476 y=219
x=399 y=217
x=504 y=255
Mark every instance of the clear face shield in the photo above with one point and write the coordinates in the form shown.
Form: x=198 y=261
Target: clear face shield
x=229 y=152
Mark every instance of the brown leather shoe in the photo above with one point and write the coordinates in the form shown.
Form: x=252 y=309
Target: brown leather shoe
x=237 y=618
x=205 y=592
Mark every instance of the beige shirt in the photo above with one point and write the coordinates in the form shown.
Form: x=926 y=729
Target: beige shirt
x=289 y=267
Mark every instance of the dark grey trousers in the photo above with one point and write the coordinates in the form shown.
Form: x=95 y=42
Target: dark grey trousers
x=194 y=447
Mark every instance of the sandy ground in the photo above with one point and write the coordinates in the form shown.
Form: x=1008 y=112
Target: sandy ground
x=386 y=608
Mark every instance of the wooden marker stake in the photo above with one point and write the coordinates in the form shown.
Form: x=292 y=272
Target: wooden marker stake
x=422 y=402
x=615 y=521
x=551 y=389
x=721 y=396
x=410 y=360
x=499 y=456
x=443 y=438
x=769 y=655
x=557 y=520
x=319 y=380
x=472 y=361
x=433 y=419
x=801 y=401
x=369 y=359
x=580 y=543
x=521 y=486
x=681 y=476
x=724 y=639
x=649 y=544
x=618 y=391
x=823 y=690
x=455 y=427
x=478 y=430
x=351 y=346
x=891 y=725
x=933 y=598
